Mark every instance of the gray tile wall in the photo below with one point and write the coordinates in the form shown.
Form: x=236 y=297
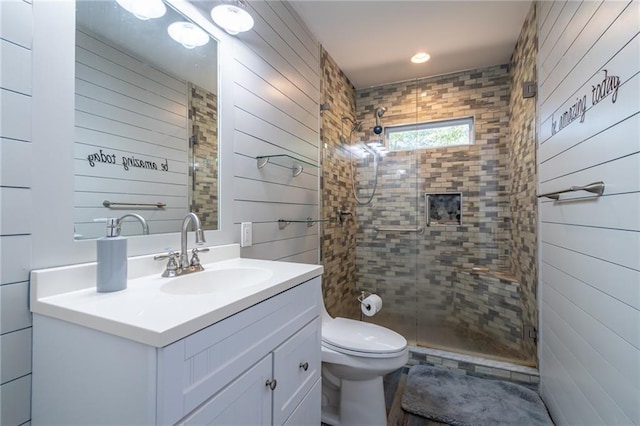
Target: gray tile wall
x=203 y=117
x=489 y=304
x=338 y=248
x=429 y=273
x=426 y=280
x=522 y=164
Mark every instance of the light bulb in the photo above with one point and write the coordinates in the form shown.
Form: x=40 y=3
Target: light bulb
x=144 y=9
x=233 y=19
x=188 y=34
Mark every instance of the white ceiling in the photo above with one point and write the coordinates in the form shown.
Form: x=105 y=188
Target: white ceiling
x=373 y=40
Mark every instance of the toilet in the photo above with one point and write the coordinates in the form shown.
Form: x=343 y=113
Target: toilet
x=355 y=357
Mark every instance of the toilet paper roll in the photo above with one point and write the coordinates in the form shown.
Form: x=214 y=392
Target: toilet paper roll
x=371 y=305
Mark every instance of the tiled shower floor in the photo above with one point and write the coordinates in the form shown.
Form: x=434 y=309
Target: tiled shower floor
x=448 y=337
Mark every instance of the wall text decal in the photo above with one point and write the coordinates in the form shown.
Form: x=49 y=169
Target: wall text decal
x=609 y=85
x=127 y=162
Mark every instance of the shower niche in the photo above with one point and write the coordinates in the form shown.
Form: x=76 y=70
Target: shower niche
x=443 y=208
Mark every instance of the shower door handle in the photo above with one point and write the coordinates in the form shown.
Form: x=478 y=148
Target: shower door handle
x=427 y=213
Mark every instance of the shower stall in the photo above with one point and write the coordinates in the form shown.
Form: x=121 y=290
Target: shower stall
x=436 y=240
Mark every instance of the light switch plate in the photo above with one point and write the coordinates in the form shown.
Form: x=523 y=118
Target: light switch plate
x=246 y=237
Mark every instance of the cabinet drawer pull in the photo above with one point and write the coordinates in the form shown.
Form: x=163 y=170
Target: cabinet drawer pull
x=272 y=383
x=304 y=366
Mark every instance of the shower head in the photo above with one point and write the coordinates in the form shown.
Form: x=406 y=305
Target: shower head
x=379 y=113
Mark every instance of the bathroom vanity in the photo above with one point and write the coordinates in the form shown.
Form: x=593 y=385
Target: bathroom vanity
x=164 y=351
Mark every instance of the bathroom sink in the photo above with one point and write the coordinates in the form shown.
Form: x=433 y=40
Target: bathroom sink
x=213 y=280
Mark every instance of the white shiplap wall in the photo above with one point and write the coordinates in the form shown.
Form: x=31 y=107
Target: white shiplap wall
x=127 y=108
x=276 y=108
x=589 y=345
x=15 y=210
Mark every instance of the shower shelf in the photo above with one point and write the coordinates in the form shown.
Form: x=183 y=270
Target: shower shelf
x=291 y=162
x=282 y=223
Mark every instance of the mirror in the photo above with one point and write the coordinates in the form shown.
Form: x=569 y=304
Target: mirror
x=146 y=123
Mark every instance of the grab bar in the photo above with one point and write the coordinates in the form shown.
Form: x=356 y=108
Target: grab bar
x=398 y=229
x=283 y=223
x=108 y=204
x=595 y=188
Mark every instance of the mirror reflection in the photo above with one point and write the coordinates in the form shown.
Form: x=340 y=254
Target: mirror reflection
x=146 y=120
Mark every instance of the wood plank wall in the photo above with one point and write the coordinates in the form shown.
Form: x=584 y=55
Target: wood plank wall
x=15 y=210
x=127 y=108
x=590 y=247
x=276 y=108
x=276 y=111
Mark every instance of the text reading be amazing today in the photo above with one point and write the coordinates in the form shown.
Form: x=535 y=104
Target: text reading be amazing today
x=127 y=162
x=608 y=86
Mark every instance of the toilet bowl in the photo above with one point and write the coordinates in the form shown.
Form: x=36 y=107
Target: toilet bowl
x=355 y=357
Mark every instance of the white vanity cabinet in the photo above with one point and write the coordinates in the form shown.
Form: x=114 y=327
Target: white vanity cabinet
x=272 y=390
x=259 y=366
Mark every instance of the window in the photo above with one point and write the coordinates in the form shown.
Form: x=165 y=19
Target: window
x=434 y=134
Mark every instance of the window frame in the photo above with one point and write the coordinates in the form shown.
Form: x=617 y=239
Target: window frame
x=431 y=124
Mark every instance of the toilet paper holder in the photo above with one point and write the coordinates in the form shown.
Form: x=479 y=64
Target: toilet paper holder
x=364 y=295
x=370 y=304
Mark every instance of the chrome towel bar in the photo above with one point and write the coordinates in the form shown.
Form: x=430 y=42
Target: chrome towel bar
x=109 y=204
x=283 y=223
x=595 y=188
x=398 y=229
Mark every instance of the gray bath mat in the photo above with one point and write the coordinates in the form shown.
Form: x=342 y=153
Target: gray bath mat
x=451 y=397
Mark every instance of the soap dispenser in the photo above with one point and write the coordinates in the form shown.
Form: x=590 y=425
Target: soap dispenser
x=112 y=259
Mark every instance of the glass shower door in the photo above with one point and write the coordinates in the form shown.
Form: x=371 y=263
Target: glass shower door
x=388 y=227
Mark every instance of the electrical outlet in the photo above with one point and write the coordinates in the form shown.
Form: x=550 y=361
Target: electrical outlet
x=246 y=236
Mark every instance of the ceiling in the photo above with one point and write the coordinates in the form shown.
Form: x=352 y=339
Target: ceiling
x=372 y=41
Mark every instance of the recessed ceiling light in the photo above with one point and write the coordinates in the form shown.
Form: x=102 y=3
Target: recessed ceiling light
x=188 y=34
x=420 y=58
x=144 y=9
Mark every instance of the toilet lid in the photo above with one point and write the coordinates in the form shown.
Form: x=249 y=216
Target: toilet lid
x=342 y=333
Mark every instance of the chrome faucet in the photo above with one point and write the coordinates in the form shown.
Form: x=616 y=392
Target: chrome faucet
x=184 y=257
x=145 y=226
x=179 y=263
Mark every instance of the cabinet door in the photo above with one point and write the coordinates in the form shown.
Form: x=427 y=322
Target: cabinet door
x=308 y=412
x=193 y=369
x=296 y=367
x=246 y=401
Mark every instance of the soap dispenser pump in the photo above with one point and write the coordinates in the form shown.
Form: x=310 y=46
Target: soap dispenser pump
x=112 y=259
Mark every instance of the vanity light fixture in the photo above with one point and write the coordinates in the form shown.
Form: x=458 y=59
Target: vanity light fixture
x=188 y=34
x=144 y=9
x=420 y=58
x=232 y=16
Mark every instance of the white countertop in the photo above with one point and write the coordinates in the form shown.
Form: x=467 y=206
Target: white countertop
x=146 y=314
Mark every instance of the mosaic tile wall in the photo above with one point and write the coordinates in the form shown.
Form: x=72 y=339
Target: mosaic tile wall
x=338 y=241
x=431 y=273
x=203 y=116
x=418 y=272
x=491 y=305
x=522 y=164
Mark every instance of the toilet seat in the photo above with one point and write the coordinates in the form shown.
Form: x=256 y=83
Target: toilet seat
x=361 y=339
